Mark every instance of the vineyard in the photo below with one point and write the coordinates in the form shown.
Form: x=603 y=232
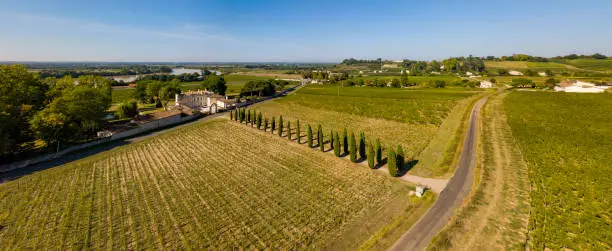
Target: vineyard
x=408 y=117
x=211 y=185
x=566 y=140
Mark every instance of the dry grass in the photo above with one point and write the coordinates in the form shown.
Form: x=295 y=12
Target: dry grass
x=497 y=213
x=213 y=185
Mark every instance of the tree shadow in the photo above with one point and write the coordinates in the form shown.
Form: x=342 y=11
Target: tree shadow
x=382 y=163
x=407 y=167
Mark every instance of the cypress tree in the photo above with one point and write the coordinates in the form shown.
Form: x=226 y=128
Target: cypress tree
x=378 y=150
x=309 y=132
x=320 y=138
x=362 y=146
x=273 y=124
x=236 y=114
x=392 y=163
x=337 y=145
x=289 y=130
x=298 y=132
x=259 y=117
x=242 y=115
x=353 y=148
x=231 y=115
x=331 y=139
x=280 y=126
x=248 y=118
x=265 y=124
x=400 y=157
x=345 y=141
x=371 y=156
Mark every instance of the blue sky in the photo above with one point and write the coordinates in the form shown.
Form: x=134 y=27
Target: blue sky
x=302 y=31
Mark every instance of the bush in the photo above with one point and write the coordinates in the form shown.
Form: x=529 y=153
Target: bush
x=345 y=141
x=309 y=132
x=371 y=156
x=353 y=148
x=392 y=163
x=400 y=157
x=128 y=109
x=362 y=146
x=337 y=145
x=378 y=152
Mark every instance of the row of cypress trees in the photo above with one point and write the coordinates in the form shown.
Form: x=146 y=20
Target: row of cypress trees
x=341 y=144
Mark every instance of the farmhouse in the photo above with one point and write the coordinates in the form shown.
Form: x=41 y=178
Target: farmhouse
x=515 y=73
x=486 y=84
x=204 y=101
x=579 y=87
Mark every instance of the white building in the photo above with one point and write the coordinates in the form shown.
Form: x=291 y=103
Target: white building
x=542 y=74
x=515 y=73
x=419 y=190
x=580 y=87
x=203 y=101
x=486 y=84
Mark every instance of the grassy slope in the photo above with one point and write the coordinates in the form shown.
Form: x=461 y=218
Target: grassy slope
x=211 y=185
x=591 y=64
x=566 y=140
x=411 y=117
x=518 y=65
x=495 y=216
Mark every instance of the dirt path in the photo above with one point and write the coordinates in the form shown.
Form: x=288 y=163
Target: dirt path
x=419 y=236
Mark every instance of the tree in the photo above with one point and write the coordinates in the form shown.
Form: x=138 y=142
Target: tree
x=400 y=157
x=378 y=152
x=371 y=156
x=353 y=148
x=77 y=114
x=280 y=126
x=242 y=115
x=522 y=82
x=259 y=117
x=309 y=135
x=168 y=91
x=392 y=164
x=265 y=124
x=128 y=109
x=337 y=145
x=345 y=141
x=320 y=141
x=395 y=83
x=248 y=117
x=551 y=82
x=231 y=115
x=298 y=132
x=215 y=84
x=22 y=95
x=289 y=129
x=273 y=125
x=362 y=146
x=404 y=78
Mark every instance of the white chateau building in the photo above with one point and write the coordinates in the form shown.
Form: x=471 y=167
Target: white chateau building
x=204 y=101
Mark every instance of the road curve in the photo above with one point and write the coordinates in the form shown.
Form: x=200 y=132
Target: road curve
x=458 y=187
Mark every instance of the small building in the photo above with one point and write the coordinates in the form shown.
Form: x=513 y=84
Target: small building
x=515 y=73
x=579 y=87
x=486 y=84
x=542 y=74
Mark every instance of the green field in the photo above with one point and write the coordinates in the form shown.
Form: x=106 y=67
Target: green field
x=411 y=117
x=212 y=185
x=521 y=65
x=566 y=140
x=591 y=64
x=122 y=95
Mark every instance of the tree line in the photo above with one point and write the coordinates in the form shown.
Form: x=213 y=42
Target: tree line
x=50 y=110
x=341 y=143
x=262 y=88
